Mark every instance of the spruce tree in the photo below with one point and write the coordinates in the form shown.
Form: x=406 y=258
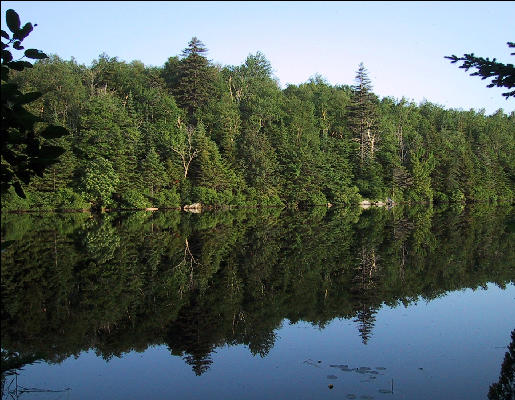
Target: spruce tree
x=363 y=123
x=195 y=80
x=503 y=75
x=153 y=171
x=209 y=169
x=362 y=115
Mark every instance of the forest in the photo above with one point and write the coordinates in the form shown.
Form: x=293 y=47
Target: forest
x=194 y=131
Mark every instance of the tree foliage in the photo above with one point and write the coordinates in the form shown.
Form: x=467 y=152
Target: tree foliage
x=504 y=388
x=503 y=75
x=194 y=82
x=24 y=150
x=193 y=131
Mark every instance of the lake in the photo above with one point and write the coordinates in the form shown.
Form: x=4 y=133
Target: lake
x=344 y=303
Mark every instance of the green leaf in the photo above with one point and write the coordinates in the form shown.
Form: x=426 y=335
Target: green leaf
x=51 y=152
x=19 y=190
x=25 y=119
x=19 y=65
x=23 y=174
x=23 y=32
x=78 y=152
x=35 y=54
x=13 y=20
x=6 y=56
x=11 y=159
x=7 y=243
x=17 y=45
x=54 y=131
x=28 y=97
x=14 y=138
x=4 y=74
x=9 y=90
x=5 y=35
x=39 y=165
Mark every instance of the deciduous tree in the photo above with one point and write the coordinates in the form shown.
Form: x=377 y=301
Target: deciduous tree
x=23 y=149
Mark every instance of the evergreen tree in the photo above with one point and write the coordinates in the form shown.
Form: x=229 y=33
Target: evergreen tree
x=108 y=131
x=258 y=161
x=221 y=117
x=365 y=320
x=170 y=72
x=153 y=171
x=362 y=115
x=503 y=75
x=363 y=123
x=301 y=157
x=222 y=132
x=208 y=169
x=195 y=78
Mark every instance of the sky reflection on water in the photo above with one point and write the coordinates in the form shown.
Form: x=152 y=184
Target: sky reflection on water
x=449 y=348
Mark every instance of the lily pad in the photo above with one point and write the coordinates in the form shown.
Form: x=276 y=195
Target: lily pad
x=343 y=368
x=339 y=366
x=312 y=363
x=380 y=368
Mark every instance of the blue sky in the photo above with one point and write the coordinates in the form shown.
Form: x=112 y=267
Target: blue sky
x=402 y=44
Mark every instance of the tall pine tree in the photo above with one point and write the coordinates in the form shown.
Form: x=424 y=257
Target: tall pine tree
x=362 y=115
x=195 y=78
x=363 y=122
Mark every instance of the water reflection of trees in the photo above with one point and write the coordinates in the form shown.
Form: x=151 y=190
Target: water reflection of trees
x=365 y=289
x=196 y=282
x=504 y=389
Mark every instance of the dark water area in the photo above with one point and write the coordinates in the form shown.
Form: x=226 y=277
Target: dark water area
x=406 y=303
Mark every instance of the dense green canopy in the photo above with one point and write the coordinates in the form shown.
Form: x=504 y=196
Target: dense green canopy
x=196 y=131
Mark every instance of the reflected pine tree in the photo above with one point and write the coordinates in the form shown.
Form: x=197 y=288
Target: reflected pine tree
x=193 y=336
x=195 y=282
x=365 y=319
x=505 y=388
x=364 y=291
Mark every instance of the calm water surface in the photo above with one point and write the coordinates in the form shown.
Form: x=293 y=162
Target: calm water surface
x=257 y=305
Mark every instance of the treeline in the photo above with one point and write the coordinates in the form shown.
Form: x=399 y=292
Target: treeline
x=195 y=131
x=125 y=281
